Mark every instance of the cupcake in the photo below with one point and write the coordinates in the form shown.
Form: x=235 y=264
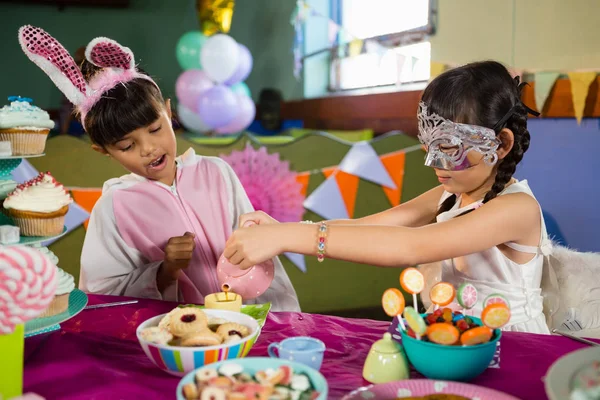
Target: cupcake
x=65 y=285
x=38 y=207
x=25 y=126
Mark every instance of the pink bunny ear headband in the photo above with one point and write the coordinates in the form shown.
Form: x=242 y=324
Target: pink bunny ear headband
x=47 y=53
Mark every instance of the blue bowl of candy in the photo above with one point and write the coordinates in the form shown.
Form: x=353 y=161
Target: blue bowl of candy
x=450 y=362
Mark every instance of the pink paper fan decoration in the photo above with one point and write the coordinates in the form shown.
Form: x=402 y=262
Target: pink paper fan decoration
x=269 y=183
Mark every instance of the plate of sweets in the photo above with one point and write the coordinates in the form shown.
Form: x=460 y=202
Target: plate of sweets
x=575 y=376
x=467 y=344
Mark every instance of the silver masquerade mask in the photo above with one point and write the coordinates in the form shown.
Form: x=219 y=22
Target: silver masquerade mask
x=448 y=143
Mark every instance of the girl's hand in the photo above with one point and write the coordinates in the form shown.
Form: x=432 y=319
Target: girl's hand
x=247 y=247
x=258 y=217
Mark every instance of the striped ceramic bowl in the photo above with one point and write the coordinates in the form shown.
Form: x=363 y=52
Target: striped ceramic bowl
x=179 y=361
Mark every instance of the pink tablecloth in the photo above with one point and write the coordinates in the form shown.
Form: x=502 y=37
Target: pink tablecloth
x=96 y=355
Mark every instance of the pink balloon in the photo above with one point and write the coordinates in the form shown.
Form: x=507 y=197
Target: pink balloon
x=244 y=117
x=190 y=85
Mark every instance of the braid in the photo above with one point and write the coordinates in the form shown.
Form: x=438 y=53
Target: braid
x=506 y=169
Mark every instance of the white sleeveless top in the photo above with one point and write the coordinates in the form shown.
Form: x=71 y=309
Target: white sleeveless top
x=490 y=271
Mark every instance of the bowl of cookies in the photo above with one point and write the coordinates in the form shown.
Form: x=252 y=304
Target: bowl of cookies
x=189 y=338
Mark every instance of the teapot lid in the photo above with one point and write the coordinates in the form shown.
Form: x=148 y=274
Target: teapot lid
x=386 y=345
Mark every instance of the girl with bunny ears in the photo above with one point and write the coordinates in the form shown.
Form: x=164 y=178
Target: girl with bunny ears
x=157 y=232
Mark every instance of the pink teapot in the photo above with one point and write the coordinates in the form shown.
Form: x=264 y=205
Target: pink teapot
x=249 y=283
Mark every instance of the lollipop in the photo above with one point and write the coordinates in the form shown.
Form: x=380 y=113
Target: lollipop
x=441 y=294
x=393 y=304
x=495 y=316
x=27 y=285
x=467 y=296
x=471 y=337
x=443 y=333
x=415 y=321
x=413 y=282
x=495 y=298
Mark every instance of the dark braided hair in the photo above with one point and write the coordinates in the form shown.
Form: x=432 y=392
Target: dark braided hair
x=484 y=94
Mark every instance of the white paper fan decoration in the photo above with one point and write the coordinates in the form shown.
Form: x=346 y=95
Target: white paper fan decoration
x=269 y=183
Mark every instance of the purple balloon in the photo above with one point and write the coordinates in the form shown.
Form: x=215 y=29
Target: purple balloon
x=244 y=66
x=217 y=106
x=245 y=116
x=190 y=85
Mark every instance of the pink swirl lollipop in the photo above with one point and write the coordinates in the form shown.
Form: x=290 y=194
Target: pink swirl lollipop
x=27 y=285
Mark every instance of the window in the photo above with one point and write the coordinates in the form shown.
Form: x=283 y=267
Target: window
x=395 y=47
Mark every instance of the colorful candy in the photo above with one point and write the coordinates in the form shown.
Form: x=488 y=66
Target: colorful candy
x=412 y=280
x=478 y=335
x=495 y=298
x=443 y=333
x=415 y=321
x=496 y=315
x=442 y=294
x=467 y=296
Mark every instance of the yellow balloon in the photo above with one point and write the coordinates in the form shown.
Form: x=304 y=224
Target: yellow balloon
x=215 y=15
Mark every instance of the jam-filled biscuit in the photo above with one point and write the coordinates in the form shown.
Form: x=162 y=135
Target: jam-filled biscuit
x=186 y=321
x=231 y=329
x=205 y=337
x=190 y=392
x=165 y=322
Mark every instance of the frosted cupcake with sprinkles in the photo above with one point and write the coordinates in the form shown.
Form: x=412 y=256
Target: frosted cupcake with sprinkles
x=25 y=126
x=38 y=207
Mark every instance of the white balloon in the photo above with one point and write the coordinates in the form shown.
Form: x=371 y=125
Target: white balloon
x=219 y=57
x=191 y=120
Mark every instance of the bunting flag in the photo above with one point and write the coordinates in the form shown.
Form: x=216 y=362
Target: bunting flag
x=24 y=172
x=544 y=82
x=298 y=260
x=435 y=69
x=580 y=85
x=400 y=62
x=303 y=179
x=362 y=161
x=355 y=47
x=327 y=201
x=87 y=199
x=394 y=164
x=332 y=32
x=348 y=185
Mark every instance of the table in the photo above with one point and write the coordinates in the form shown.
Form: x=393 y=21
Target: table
x=95 y=355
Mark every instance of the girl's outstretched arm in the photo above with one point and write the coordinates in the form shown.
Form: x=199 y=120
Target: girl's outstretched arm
x=509 y=218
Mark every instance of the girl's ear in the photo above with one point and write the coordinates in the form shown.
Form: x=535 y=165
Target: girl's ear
x=168 y=108
x=100 y=149
x=507 y=139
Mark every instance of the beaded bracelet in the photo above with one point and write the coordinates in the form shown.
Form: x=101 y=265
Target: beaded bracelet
x=322 y=241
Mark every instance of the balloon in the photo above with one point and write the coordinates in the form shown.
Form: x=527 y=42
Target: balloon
x=188 y=50
x=189 y=85
x=191 y=120
x=244 y=117
x=217 y=106
x=215 y=15
x=244 y=66
x=219 y=57
x=241 y=88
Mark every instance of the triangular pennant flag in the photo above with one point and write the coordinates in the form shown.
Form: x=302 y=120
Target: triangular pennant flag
x=332 y=32
x=303 y=179
x=580 y=85
x=355 y=47
x=86 y=198
x=348 y=185
x=394 y=164
x=298 y=260
x=361 y=160
x=400 y=62
x=436 y=68
x=327 y=172
x=24 y=172
x=544 y=82
x=327 y=201
x=75 y=217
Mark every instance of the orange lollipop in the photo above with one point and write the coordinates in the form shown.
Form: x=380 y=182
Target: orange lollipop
x=442 y=294
x=481 y=334
x=443 y=333
x=393 y=304
x=495 y=315
x=412 y=280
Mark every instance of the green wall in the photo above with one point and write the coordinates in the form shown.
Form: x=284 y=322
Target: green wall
x=151 y=29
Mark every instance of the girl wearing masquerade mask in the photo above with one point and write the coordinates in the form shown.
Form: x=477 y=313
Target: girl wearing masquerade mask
x=157 y=232
x=485 y=226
